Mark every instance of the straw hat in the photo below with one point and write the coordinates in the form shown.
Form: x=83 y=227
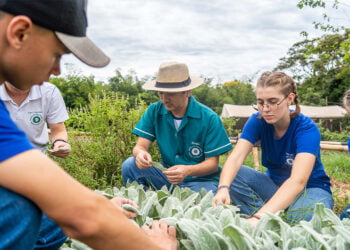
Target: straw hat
x=173 y=77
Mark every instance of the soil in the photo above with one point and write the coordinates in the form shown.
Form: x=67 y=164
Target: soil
x=343 y=189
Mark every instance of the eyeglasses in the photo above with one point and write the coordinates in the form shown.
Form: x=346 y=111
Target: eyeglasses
x=269 y=105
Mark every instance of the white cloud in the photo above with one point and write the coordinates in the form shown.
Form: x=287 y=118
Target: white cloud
x=222 y=39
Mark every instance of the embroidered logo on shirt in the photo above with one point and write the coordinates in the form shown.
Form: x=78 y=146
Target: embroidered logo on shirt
x=36 y=118
x=289 y=159
x=195 y=150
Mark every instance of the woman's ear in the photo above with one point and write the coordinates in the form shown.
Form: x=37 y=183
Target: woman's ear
x=18 y=30
x=291 y=97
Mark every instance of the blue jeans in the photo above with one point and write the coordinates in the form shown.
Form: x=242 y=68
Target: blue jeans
x=251 y=189
x=345 y=213
x=153 y=177
x=50 y=236
x=23 y=226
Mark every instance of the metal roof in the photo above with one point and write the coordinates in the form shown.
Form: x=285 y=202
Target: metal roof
x=314 y=112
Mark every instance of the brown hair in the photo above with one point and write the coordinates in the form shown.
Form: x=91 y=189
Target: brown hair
x=284 y=82
x=346 y=100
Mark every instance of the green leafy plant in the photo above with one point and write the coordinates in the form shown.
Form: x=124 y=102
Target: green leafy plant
x=101 y=139
x=201 y=226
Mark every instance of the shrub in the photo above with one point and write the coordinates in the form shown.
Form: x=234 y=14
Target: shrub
x=105 y=139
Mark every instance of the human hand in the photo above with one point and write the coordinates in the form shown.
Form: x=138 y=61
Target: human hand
x=118 y=202
x=161 y=234
x=176 y=174
x=222 y=196
x=61 y=149
x=253 y=221
x=143 y=160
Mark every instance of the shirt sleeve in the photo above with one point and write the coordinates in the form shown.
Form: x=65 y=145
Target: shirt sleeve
x=308 y=138
x=57 y=111
x=145 y=128
x=12 y=140
x=217 y=141
x=252 y=129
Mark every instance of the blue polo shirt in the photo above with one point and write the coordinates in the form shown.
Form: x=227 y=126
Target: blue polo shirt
x=201 y=135
x=302 y=136
x=12 y=140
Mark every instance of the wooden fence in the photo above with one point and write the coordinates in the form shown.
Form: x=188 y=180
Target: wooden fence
x=325 y=145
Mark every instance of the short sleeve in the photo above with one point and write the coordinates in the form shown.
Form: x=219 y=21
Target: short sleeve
x=145 y=128
x=57 y=111
x=217 y=141
x=308 y=138
x=252 y=129
x=12 y=140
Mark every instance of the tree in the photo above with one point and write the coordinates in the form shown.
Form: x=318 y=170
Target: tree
x=76 y=89
x=320 y=66
x=130 y=86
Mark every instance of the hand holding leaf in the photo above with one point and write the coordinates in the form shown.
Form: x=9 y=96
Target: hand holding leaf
x=158 y=165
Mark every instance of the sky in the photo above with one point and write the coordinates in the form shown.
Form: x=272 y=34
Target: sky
x=221 y=39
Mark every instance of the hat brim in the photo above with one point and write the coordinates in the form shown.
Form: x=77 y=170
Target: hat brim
x=84 y=49
x=195 y=82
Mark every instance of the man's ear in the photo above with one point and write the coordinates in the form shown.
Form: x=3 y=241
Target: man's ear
x=18 y=30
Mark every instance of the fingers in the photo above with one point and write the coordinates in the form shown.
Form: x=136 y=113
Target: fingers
x=159 y=227
x=130 y=215
x=172 y=232
x=143 y=160
x=127 y=201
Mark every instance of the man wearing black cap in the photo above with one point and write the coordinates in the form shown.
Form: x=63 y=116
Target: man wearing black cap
x=33 y=36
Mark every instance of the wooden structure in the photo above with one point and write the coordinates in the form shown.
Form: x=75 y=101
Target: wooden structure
x=317 y=113
x=325 y=145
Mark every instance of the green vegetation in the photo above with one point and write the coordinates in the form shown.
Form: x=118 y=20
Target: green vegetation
x=101 y=139
x=200 y=226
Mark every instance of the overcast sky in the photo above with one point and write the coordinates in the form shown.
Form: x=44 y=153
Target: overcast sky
x=222 y=39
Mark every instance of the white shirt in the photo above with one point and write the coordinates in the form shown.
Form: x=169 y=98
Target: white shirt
x=44 y=105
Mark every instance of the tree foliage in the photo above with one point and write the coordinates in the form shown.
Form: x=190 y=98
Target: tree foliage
x=320 y=66
x=76 y=89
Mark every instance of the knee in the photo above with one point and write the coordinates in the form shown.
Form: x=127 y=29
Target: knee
x=21 y=217
x=128 y=164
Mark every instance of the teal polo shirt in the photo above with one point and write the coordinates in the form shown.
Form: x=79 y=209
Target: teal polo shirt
x=201 y=135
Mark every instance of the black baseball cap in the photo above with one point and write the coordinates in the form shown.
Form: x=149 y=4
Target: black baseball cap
x=67 y=18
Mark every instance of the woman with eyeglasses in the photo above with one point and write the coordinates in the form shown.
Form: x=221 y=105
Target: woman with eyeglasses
x=295 y=179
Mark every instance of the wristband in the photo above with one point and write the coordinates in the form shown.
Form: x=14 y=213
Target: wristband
x=257 y=216
x=53 y=144
x=223 y=186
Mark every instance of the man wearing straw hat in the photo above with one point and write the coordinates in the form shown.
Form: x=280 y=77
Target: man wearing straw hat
x=190 y=135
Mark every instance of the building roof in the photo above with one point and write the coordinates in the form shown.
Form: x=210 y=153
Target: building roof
x=314 y=112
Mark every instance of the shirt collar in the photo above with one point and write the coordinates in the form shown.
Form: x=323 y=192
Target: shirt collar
x=193 y=109
x=34 y=93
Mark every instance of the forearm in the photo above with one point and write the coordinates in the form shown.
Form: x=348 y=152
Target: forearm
x=291 y=188
x=284 y=196
x=208 y=166
x=58 y=131
x=81 y=213
x=137 y=149
x=229 y=171
x=234 y=162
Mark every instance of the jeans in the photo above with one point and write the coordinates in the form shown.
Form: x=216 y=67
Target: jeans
x=50 y=236
x=345 y=213
x=153 y=177
x=23 y=226
x=251 y=189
